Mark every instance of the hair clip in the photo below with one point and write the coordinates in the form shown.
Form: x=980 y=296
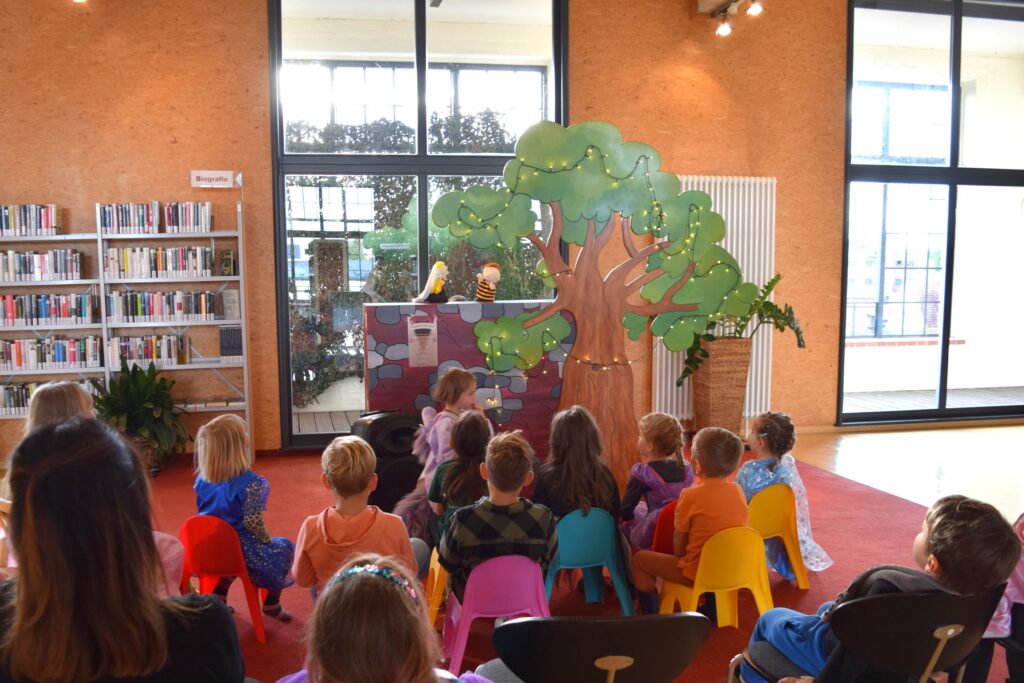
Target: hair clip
x=382 y=572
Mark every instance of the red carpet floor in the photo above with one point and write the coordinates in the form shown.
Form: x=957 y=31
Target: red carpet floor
x=857 y=525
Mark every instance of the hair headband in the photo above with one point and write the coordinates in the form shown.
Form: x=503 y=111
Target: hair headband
x=382 y=572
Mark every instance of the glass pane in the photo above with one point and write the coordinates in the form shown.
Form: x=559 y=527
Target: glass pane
x=894 y=289
x=991 y=72
x=350 y=239
x=489 y=76
x=901 y=108
x=519 y=279
x=348 y=82
x=985 y=326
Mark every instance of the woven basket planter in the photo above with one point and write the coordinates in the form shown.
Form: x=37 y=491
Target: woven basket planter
x=720 y=386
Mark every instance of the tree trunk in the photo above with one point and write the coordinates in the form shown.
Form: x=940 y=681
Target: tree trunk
x=603 y=385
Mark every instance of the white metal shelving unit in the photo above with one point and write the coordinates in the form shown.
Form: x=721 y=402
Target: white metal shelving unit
x=241 y=402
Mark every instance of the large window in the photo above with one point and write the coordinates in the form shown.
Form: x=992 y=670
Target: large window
x=934 y=171
x=382 y=107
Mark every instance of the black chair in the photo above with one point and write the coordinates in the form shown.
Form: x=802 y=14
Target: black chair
x=896 y=637
x=648 y=649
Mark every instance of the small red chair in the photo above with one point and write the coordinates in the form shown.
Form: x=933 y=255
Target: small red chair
x=212 y=550
x=664 y=528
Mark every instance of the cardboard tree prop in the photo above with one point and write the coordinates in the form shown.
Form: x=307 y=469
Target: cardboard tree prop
x=600 y=188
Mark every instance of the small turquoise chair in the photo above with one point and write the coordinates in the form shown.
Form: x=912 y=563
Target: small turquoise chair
x=589 y=542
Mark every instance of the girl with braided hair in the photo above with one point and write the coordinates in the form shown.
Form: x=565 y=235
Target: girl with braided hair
x=772 y=436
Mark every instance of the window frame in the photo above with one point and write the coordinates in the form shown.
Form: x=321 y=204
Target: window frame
x=952 y=175
x=421 y=164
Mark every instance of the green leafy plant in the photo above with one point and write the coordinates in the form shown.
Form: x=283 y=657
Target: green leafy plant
x=138 y=403
x=730 y=325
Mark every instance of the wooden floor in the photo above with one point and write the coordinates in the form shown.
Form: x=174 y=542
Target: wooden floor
x=922 y=465
x=324 y=422
x=876 y=401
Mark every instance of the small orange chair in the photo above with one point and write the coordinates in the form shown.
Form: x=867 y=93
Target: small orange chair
x=212 y=550
x=436 y=586
x=664 y=528
x=773 y=515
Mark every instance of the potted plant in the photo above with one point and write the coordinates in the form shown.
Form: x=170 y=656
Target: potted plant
x=722 y=354
x=139 y=404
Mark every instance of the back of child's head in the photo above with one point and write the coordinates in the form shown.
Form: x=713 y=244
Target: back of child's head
x=509 y=460
x=451 y=384
x=664 y=434
x=370 y=625
x=718 y=451
x=777 y=431
x=575 y=460
x=56 y=402
x=974 y=544
x=222 y=449
x=349 y=463
x=470 y=435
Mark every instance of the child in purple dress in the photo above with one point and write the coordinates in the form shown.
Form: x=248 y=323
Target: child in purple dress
x=658 y=479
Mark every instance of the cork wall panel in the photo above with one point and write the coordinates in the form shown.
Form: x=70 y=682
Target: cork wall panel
x=118 y=101
x=769 y=101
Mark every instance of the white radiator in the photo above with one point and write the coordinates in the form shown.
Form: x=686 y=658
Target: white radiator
x=748 y=207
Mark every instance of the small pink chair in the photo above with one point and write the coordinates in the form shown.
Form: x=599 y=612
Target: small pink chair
x=507 y=586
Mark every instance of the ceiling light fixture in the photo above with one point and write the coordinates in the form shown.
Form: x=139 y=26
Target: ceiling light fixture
x=724 y=11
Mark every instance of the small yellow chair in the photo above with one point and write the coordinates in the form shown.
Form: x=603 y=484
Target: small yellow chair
x=773 y=515
x=436 y=586
x=731 y=559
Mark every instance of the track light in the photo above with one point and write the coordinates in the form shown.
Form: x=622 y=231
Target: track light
x=724 y=28
x=724 y=11
x=755 y=8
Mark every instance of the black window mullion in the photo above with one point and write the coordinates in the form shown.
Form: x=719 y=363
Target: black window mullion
x=421 y=79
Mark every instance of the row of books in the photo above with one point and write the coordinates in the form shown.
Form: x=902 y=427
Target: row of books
x=148 y=262
x=144 y=218
x=14 y=398
x=46 y=309
x=36 y=266
x=162 y=349
x=231 y=343
x=152 y=307
x=30 y=220
x=51 y=353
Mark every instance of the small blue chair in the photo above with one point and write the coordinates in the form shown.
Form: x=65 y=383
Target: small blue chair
x=589 y=542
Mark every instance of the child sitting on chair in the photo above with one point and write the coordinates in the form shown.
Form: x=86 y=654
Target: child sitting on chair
x=964 y=546
x=771 y=438
x=659 y=479
x=350 y=526
x=711 y=505
x=501 y=523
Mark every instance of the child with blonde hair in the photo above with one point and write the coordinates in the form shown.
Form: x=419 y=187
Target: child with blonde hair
x=456 y=389
x=227 y=488
x=350 y=526
x=658 y=478
x=56 y=402
x=370 y=625
x=772 y=436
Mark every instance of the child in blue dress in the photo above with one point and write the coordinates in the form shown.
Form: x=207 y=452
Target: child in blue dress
x=771 y=438
x=658 y=479
x=226 y=488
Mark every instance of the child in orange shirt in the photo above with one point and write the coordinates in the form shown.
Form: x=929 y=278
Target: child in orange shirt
x=714 y=503
x=351 y=526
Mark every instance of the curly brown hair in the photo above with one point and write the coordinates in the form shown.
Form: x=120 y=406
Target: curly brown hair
x=777 y=431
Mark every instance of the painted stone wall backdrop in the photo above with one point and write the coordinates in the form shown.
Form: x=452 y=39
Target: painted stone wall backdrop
x=514 y=399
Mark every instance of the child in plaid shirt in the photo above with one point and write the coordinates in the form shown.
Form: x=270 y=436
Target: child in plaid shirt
x=500 y=523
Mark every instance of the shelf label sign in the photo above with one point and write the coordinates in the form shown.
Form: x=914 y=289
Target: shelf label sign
x=212 y=179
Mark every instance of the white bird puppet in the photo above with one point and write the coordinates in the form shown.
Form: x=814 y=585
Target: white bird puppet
x=433 y=292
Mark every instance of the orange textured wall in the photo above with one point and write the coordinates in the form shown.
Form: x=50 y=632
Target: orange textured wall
x=118 y=101
x=769 y=100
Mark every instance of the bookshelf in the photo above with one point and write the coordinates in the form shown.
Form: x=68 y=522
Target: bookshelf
x=134 y=306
